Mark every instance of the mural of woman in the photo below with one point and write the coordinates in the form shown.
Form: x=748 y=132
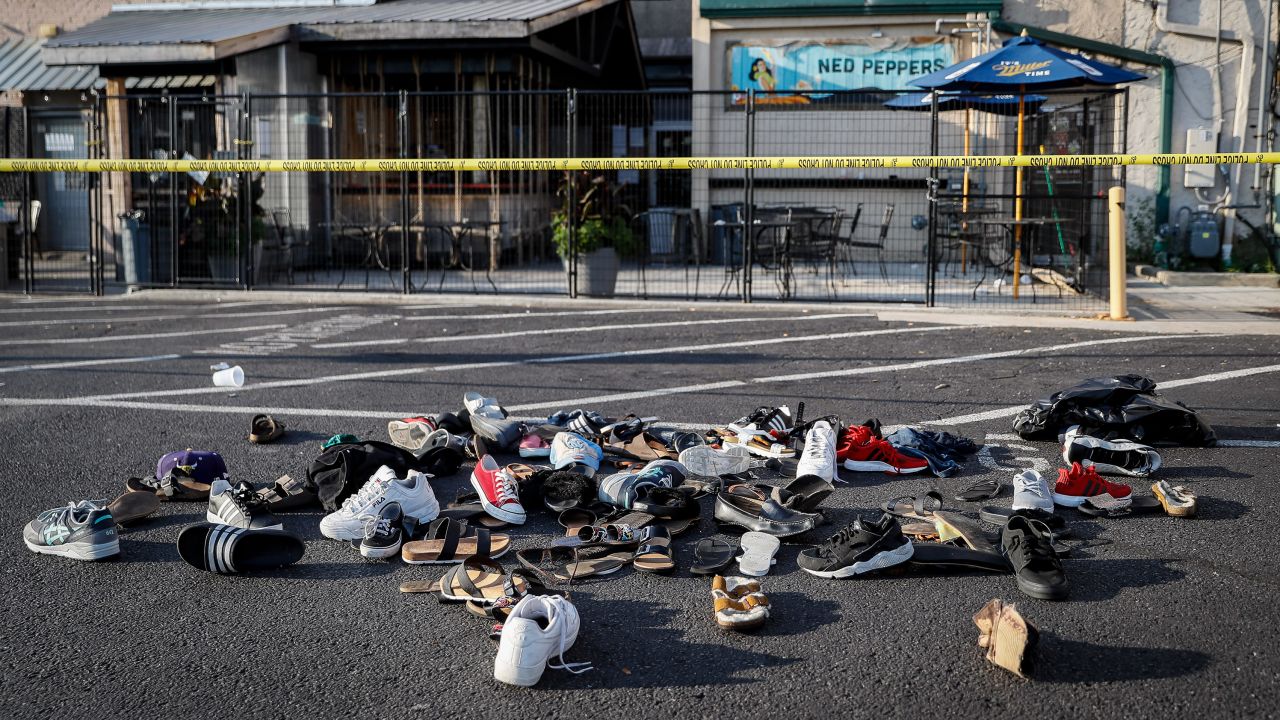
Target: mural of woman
x=762 y=74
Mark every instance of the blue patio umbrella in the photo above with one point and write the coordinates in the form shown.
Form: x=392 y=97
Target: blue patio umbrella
x=996 y=104
x=1018 y=64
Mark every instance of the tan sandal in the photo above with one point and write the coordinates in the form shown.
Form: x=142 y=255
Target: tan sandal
x=448 y=541
x=739 y=603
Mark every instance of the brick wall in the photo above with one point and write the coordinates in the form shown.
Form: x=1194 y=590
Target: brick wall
x=23 y=17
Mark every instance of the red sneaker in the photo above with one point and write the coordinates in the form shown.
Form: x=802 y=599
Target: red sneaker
x=1077 y=484
x=497 y=490
x=861 y=450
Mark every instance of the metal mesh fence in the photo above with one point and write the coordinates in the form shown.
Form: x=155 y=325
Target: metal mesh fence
x=946 y=236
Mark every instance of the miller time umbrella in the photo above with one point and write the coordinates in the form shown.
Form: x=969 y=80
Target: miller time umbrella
x=1023 y=63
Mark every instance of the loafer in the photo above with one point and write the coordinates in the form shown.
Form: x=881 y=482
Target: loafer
x=747 y=507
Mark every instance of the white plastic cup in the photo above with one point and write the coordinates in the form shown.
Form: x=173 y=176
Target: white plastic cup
x=231 y=377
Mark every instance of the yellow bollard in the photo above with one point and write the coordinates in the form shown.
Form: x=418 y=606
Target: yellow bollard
x=1115 y=221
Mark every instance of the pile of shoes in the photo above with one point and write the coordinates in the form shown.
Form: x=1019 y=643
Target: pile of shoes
x=625 y=491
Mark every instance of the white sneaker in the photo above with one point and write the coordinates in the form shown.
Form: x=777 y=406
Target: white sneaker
x=706 y=461
x=819 y=457
x=1032 y=492
x=1109 y=457
x=526 y=645
x=413 y=493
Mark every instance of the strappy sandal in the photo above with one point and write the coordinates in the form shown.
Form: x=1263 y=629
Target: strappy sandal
x=710 y=556
x=501 y=608
x=175 y=485
x=265 y=429
x=478 y=579
x=654 y=553
x=449 y=541
x=571 y=564
x=916 y=508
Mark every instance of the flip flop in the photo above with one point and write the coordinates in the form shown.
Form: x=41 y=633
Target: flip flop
x=981 y=490
x=909 y=506
x=954 y=526
x=937 y=556
x=133 y=506
x=265 y=429
x=758 y=550
x=654 y=553
x=448 y=541
x=475 y=579
x=710 y=556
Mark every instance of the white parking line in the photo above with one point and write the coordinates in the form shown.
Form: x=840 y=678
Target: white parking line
x=148 y=318
x=85 y=363
x=142 y=336
x=511 y=315
x=371 y=375
x=1198 y=380
x=865 y=370
x=110 y=307
x=584 y=329
x=1249 y=443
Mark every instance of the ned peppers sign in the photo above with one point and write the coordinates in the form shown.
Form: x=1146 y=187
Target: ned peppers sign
x=823 y=67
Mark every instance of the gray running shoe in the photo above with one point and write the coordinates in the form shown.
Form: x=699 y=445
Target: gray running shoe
x=82 y=531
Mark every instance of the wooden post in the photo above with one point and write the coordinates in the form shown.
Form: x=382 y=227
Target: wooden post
x=118 y=197
x=1115 y=223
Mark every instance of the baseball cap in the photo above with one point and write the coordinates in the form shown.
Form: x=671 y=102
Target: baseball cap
x=201 y=465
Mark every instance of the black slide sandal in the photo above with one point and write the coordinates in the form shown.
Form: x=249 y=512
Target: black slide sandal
x=228 y=550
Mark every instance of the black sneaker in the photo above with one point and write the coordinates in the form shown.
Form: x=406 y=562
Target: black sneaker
x=858 y=548
x=382 y=533
x=239 y=506
x=83 y=531
x=1027 y=544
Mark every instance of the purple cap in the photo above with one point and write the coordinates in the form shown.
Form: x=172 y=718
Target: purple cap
x=202 y=465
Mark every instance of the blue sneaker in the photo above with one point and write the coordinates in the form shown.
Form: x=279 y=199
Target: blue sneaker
x=620 y=489
x=571 y=449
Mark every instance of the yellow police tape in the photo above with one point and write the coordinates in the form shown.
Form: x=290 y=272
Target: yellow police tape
x=888 y=162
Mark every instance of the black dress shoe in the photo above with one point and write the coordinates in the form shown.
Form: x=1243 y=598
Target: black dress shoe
x=747 y=507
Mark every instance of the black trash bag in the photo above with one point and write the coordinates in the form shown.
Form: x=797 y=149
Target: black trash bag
x=1125 y=406
x=342 y=469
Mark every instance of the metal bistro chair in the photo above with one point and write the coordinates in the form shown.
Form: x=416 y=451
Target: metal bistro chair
x=670 y=237
x=877 y=244
x=815 y=241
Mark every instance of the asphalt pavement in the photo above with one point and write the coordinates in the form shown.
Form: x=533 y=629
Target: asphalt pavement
x=1167 y=618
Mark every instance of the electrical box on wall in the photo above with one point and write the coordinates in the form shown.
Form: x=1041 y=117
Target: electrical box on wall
x=1200 y=141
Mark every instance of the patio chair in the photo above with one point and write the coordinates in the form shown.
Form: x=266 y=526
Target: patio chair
x=280 y=250
x=877 y=244
x=669 y=237
x=814 y=241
